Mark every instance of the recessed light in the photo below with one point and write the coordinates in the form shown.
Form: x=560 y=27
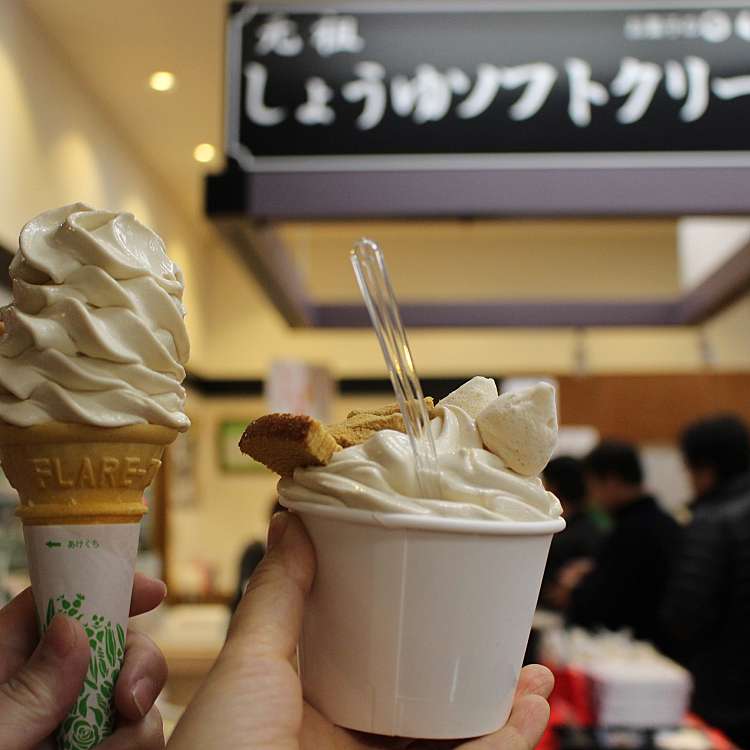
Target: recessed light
x=204 y=152
x=162 y=80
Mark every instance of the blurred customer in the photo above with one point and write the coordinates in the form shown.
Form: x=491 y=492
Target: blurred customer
x=624 y=589
x=251 y=558
x=707 y=607
x=580 y=539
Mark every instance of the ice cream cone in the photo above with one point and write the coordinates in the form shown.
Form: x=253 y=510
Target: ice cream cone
x=75 y=474
x=81 y=491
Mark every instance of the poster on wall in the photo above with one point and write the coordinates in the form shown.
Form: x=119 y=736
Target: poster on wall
x=298 y=387
x=231 y=458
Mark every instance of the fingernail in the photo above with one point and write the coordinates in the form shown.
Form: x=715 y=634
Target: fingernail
x=60 y=637
x=276 y=530
x=163 y=588
x=143 y=695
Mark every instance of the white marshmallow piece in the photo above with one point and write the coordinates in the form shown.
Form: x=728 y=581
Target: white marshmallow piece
x=473 y=396
x=521 y=428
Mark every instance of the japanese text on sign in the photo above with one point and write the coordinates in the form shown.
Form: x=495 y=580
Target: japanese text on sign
x=430 y=94
x=447 y=83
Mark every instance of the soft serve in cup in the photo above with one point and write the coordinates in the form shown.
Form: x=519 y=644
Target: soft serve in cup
x=421 y=607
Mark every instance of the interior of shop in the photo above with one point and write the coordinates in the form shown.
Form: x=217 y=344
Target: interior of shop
x=638 y=318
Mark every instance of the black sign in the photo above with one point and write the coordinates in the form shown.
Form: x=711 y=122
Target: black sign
x=534 y=87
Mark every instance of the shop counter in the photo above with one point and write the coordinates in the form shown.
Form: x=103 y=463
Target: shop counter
x=190 y=636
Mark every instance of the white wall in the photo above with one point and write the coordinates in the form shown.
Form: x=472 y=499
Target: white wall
x=666 y=477
x=706 y=243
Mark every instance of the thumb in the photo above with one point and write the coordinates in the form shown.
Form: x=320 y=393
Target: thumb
x=37 y=698
x=256 y=657
x=269 y=617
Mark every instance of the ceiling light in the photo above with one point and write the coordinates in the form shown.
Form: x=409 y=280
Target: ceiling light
x=161 y=80
x=204 y=152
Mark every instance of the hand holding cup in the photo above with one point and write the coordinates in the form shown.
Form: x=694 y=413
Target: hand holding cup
x=253 y=697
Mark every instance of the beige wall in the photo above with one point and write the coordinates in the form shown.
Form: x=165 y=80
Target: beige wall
x=727 y=338
x=496 y=258
x=646 y=350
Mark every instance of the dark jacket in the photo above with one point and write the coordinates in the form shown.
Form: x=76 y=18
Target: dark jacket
x=706 y=610
x=625 y=588
x=580 y=539
x=251 y=558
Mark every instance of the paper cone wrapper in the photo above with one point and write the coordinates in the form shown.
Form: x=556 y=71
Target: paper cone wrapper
x=86 y=572
x=81 y=491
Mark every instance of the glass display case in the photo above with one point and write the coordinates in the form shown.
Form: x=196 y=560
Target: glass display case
x=13 y=574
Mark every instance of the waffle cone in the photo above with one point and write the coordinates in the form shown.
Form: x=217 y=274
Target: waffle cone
x=75 y=474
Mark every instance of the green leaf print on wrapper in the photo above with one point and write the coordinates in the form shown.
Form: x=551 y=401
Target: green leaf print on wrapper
x=92 y=718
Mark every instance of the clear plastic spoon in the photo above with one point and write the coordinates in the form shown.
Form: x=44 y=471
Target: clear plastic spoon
x=372 y=278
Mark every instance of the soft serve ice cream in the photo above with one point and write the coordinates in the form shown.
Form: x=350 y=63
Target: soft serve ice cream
x=95 y=334
x=490 y=449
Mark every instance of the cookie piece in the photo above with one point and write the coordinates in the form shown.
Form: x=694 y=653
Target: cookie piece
x=361 y=427
x=283 y=442
x=386 y=411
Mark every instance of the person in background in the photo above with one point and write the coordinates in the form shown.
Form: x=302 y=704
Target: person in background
x=706 y=610
x=251 y=558
x=580 y=539
x=625 y=586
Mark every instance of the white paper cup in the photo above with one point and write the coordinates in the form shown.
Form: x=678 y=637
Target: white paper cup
x=416 y=626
